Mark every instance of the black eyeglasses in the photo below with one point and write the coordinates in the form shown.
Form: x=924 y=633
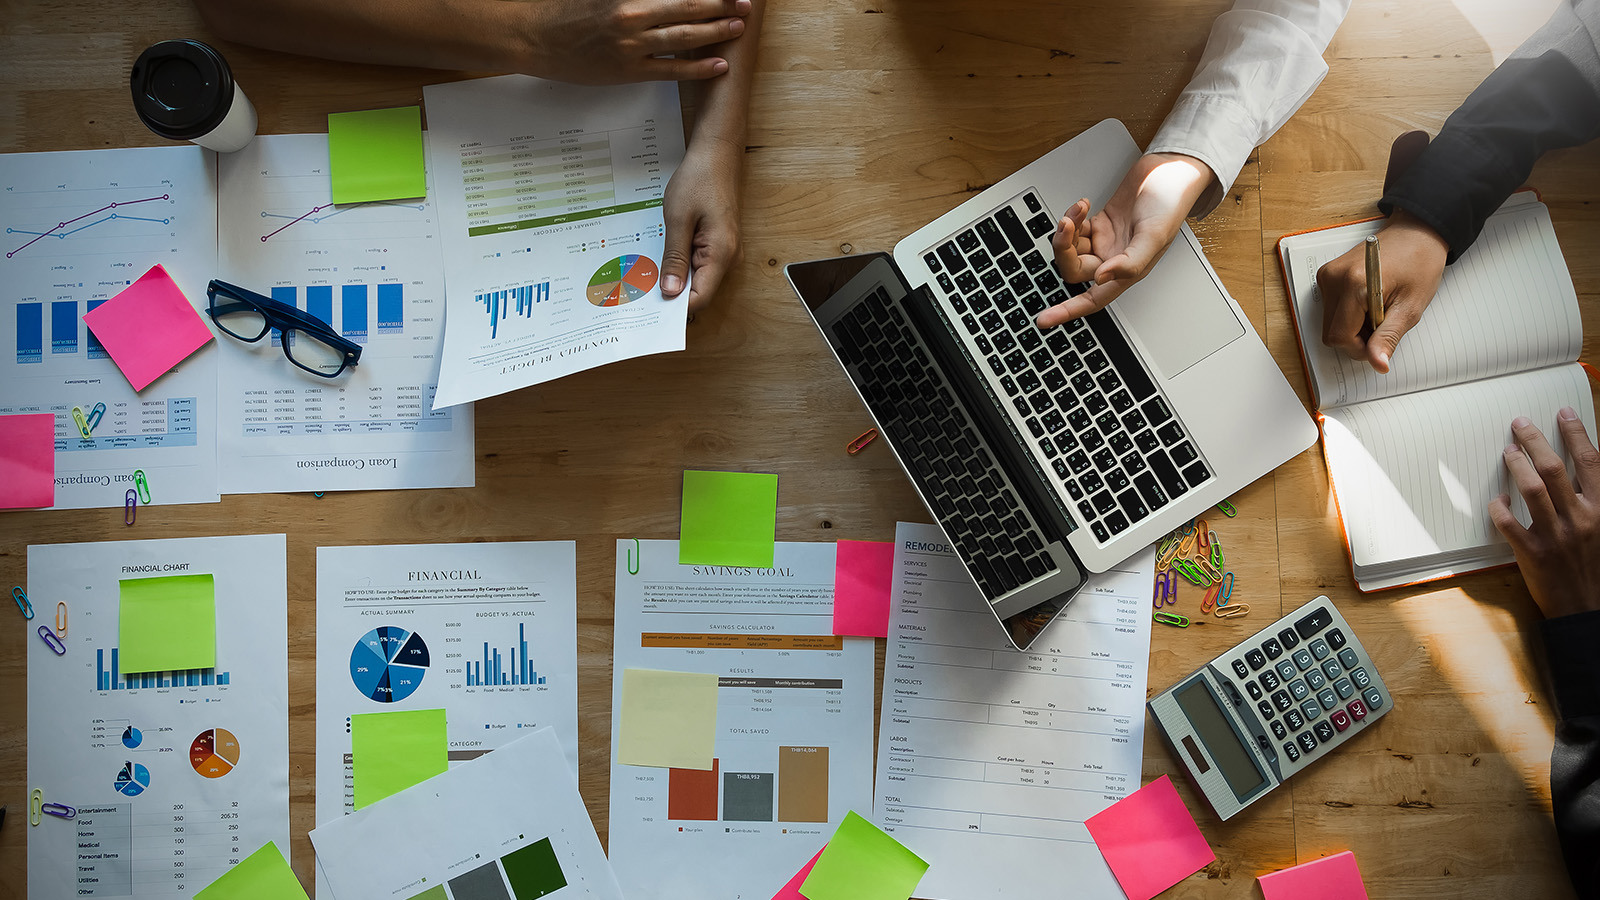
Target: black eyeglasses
x=308 y=342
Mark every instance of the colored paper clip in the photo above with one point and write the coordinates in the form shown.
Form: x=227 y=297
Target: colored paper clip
x=318 y=494
x=1227 y=586
x=1214 y=573
x=61 y=619
x=1203 y=533
x=35 y=806
x=82 y=423
x=1227 y=509
x=21 y=596
x=861 y=441
x=1187 y=544
x=95 y=415
x=143 y=486
x=1165 y=557
x=59 y=810
x=1188 y=570
x=1164 y=594
x=1216 y=551
x=633 y=558
x=1176 y=619
x=130 y=508
x=1210 y=602
x=1234 y=611
x=51 y=641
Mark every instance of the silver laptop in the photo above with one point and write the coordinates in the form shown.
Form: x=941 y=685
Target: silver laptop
x=1048 y=455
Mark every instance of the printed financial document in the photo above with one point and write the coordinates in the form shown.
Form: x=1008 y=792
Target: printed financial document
x=793 y=748
x=990 y=758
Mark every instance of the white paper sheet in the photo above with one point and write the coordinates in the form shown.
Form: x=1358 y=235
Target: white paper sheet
x=373 y=271
x=549 y=198
x=506 y=825
x=80 y=227
x=990 y=758
x=794 y=722
x=164 y=829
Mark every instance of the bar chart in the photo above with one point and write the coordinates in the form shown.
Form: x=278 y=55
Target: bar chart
x=498 y=303
x=796 y=792
x=110 y=678
x=357 y=303
x=514 y=668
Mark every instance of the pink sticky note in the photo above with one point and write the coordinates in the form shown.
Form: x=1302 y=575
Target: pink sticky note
x=863 y=574
x=1333 y=877
x=27 y=461
x=148 y=328
x=1150 y=840
x=791 y=891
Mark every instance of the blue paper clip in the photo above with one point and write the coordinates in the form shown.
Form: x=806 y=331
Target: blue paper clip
x=51 y=641
x=318 y=494
x=1227 y=586
x=59 y=810
x=130 y=508
x=143 y=486
x=83 y=425
x=95 y=415
x=21 y=596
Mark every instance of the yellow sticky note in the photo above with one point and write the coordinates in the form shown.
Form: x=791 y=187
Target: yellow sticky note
x=668 y=719
x=391 y=751
x=263 y=875
x=167 y=624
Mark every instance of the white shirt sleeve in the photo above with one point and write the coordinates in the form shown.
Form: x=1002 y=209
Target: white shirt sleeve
x=1262 y=61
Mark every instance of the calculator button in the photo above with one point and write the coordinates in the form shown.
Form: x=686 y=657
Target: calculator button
x=1289 y=638
x=1348 y=658
x=1358 y=710
x=1270 y=680
x=1239 y=669
x=1255 y=659
x=1263 y=743
x=1254 y=689
x=1374 y=698
x=1302 y=658
x=1294 y=719
x=1307 y=742
x=1311 y=709
x=1340 y=719
x=1327 y=698
x=1299 y=690
x=1360 y=677
x=1286 y=670
x=1331 y=669
x=1281 y=700
x=1266 y=709
x=1319 y=649
x=1345 y=688
x=1335 y=638
x=1324 y=731
x=1272 y=648
x=1233 y=694
x=1315 y=679
x=1309 y=625
x=1280 y=732
x=1291 y=751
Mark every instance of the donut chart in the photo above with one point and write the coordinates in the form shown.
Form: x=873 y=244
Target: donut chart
x=623 y=280
x=132 y=780
x=214 y=753
x=388 y=663
x=132 y=738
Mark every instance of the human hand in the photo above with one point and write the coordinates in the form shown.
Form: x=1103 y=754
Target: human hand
x=1117 y=247
x=617 y=41
x=1412 y=257
x=702 y=216
x=1560 y=553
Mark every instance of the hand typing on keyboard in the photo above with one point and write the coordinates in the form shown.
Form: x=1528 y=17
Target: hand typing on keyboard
x=1119 y=244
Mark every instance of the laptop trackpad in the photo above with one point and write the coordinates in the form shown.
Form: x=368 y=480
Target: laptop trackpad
x=1178 y=313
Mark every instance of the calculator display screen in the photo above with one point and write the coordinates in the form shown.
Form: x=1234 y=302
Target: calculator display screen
x=1232 y=757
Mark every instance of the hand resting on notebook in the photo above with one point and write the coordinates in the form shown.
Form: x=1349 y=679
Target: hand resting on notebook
x=1119 y=244
x=1413 y=258
x=1559 y=553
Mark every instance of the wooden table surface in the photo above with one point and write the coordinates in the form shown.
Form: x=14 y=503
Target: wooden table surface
x=871 y=117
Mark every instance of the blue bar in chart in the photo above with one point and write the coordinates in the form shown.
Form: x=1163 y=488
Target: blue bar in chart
x=319 y=302
x=290 y=296
x=513 y=669
x=110 y=679
x=498 y=303
x=96 y=349
x=30 y=332
x=354 y=325
x=391 y=313
x=64 y=326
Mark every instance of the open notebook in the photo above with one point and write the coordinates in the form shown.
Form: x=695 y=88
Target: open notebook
x=1415 y=455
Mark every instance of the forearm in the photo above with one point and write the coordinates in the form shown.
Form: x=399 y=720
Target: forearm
x=723 y=114
x=1575 y=759
x=482 y=35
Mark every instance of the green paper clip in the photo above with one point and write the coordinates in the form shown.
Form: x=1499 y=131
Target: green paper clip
x=1166 y=618
x=1216 y=552
x=1196 y=575
x=1227 y=509
x=83 y=424
x=142 y=485
x=632 y=557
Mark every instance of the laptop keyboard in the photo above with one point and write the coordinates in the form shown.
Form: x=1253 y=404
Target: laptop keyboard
x=1083 y=396
x=992 y=531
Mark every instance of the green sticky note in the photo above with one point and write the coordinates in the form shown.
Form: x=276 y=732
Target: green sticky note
x=860 y=862
x=376 y=155
x=391 y=751
x=729 y=519
x=167 y=624
x=668 y=719
x=263 y=875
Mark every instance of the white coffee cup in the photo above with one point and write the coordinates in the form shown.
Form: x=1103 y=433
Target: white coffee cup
x=183 y=90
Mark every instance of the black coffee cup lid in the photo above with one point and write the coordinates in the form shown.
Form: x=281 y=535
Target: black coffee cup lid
x=181 y=89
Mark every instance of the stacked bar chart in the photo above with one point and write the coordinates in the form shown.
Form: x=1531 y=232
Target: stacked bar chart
x=498 y=303
x=796 y=792
x=109 y=678
x=515 y=668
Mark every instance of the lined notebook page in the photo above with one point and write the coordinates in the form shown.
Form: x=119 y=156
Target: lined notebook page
x=1414 y=474
x=1506 y=305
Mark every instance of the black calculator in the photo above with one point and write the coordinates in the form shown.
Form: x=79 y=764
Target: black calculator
x=1278 y=702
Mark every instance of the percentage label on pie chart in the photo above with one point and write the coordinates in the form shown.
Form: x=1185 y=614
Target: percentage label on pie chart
x=388 y=663
x=623 y=280
x=214 y=753
x=132 y=780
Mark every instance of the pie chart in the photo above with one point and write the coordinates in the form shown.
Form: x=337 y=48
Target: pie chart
x=623 y=280
x=214 y=753
x=132 y=780
x=132 y=738
x=388 y=663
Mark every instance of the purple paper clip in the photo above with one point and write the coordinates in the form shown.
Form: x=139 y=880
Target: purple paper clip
x=51 y=641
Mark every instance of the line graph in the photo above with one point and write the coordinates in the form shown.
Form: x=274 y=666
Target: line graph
x=41 y=235
x=311 y=214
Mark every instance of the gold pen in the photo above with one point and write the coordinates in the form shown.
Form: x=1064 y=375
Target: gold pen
x=1374 y=283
